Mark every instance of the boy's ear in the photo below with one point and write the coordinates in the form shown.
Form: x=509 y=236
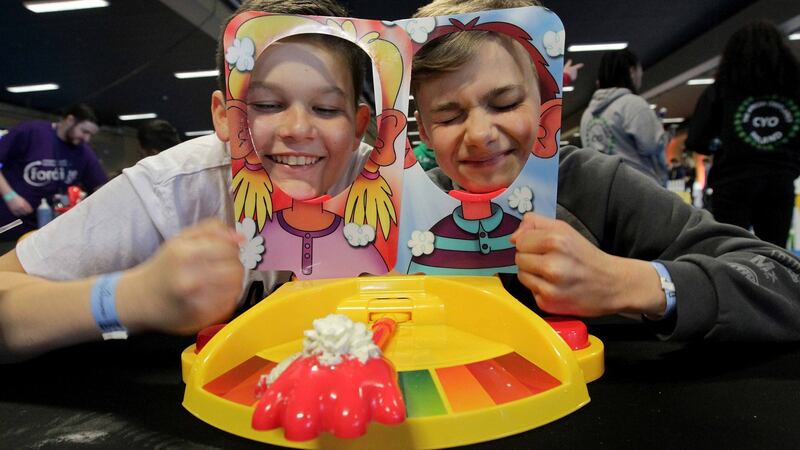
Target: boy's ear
x=423 y=134
x=219 y=115
x=363 y=114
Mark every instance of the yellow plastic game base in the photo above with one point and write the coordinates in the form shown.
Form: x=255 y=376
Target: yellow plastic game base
x=473 y=363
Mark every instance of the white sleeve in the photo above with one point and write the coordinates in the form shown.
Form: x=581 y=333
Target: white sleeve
x=108 y=231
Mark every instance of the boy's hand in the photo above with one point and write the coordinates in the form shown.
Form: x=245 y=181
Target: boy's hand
x=568 y=275
x=193 y=281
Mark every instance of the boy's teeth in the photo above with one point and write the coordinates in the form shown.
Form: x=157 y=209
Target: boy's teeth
x=294 y=160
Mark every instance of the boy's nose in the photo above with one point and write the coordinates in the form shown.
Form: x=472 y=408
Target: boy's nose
x=297 y=124
x=480 y=130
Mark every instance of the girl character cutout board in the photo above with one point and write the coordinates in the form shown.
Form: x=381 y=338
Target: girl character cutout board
x=355 y=231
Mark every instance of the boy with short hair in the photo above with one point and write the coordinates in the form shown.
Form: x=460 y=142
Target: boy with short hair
x=621 y=244
x=164 y=229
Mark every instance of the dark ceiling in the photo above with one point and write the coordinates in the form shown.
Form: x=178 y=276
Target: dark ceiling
x=121 y=59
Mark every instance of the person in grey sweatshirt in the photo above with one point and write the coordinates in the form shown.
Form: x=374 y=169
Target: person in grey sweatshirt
x=620 y=122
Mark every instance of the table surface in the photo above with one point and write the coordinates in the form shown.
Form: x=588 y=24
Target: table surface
x=127 y=394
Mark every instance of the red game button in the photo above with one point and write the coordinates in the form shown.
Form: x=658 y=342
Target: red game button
x=205 y=335
x=573 y=331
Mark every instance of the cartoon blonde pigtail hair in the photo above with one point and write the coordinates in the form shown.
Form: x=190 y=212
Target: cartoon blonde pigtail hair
x=252 y=195
x=370 y=198
x=370 y=201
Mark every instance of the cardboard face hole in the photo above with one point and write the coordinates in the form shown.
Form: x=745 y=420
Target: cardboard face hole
x=478 y=101
x=305 y=114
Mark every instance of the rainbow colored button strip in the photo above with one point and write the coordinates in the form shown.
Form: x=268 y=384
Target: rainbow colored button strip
x=426 y=392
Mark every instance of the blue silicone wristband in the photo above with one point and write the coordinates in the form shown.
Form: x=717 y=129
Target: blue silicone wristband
x=668 y=287
x=10 y=195
x=104 y=308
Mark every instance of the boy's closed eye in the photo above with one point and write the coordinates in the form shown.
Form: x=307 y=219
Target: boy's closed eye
x=328 y=110
x=506 y=98
x=448 y=119
x=506 y=105
x=446 y=113
x=267 y=107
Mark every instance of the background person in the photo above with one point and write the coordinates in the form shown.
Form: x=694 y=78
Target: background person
x=620 y=122
x=40 y=159
x=156 y=136
x=749 y=119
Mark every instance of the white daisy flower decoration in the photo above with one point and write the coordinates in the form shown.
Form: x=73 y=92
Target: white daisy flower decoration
x=359 y=235
x=521 y=199
x=421 y=243
x=419 y=28
x=241 y=54
x=252 y=248
x=554 y=43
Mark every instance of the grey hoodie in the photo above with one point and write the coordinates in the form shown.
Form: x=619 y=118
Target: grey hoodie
x=618 y=122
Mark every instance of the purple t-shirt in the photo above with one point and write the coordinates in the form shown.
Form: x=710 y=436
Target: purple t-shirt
x=37 y=164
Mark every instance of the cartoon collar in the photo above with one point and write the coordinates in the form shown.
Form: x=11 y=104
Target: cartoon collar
x=487 y=224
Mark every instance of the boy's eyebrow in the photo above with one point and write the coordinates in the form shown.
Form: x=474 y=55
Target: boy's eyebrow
x=449 y=106
x=331 y=89
x=496 y=92
x=264 y=86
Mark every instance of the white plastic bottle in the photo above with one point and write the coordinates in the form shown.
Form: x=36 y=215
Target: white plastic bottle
x=44 y=214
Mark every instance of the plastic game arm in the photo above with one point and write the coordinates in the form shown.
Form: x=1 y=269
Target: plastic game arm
x=382 y=330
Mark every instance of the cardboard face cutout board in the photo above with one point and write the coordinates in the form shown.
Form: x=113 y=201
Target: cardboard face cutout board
x=363 y=229
x=463 y=233
x=354 y=232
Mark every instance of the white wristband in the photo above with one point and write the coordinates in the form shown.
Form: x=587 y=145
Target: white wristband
x=668 y=287
x=104 y=308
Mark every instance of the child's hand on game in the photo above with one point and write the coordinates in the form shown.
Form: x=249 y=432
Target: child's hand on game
x=568 y=275
x=193 y=281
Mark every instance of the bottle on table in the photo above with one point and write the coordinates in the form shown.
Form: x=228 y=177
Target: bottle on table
x=44 y=214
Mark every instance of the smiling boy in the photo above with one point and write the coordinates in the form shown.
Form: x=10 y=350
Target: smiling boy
x=306 y=133
x=620 y=244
